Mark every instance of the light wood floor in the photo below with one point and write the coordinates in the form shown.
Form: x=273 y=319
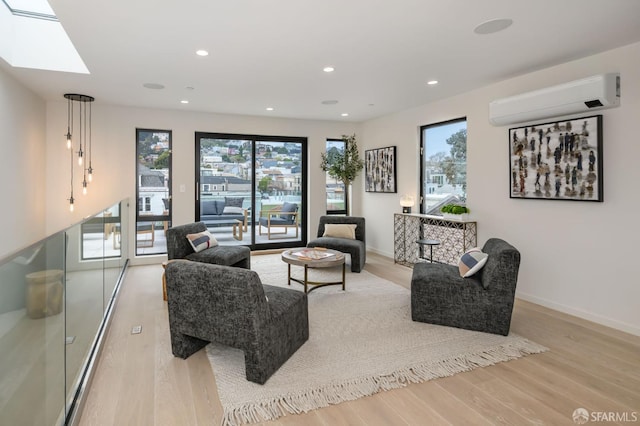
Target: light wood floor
x=139 y=382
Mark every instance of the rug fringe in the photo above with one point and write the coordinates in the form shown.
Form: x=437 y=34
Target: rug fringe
x=351 y=390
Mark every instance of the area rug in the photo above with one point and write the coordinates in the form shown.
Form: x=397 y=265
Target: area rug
x=361 y=341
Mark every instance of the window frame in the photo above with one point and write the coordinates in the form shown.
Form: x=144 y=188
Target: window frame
x=327 y=177
x=152 y=218
x=423 y=152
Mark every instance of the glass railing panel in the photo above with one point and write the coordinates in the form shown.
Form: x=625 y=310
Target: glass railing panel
x=85 y=296
x=32 y=334
x=54 y=298
x=113 y=248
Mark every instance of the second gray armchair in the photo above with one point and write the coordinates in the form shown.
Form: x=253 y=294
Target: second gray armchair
x=356 y=247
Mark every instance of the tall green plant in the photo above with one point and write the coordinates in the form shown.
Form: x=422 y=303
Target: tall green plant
x=344 y=166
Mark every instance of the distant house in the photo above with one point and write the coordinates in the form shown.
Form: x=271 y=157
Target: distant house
x=152 y=188
x=220 y=184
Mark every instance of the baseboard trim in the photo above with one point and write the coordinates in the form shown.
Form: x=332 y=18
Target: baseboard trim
x=599 y=319
x=380 y=252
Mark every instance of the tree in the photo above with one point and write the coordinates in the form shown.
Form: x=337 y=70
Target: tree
x=437 y=159
x=264 y=184
x=162 y=162
x=455 y=165
x=343 y=166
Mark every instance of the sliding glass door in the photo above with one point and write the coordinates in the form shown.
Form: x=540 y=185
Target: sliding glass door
x=251 y=189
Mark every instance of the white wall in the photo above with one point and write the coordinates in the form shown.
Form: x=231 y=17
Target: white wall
x=577 y=257
x=114 y=133
x=22 y=165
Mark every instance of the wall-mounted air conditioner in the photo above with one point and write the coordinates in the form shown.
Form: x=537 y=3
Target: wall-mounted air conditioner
x=591 y=93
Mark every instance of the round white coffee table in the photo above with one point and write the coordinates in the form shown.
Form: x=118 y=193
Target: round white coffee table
x=313 y=258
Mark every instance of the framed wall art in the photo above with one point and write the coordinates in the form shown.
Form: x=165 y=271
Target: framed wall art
x=380 y=169
x=558 y=160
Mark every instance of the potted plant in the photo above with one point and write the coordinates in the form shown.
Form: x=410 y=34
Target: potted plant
x=344 y=166
x=455 y=212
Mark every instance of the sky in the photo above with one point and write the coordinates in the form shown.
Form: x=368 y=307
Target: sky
x=435 y=138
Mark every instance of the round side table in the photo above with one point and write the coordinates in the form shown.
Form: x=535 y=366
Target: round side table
x=429 y=243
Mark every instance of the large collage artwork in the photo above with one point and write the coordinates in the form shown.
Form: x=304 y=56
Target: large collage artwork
x=559 y=160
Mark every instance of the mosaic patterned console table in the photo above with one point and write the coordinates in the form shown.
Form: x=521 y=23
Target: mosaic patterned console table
x=456 y=237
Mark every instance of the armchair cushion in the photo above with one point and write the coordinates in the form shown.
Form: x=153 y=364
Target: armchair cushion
x=343 y=230
x=238 y=256
x=202 y=240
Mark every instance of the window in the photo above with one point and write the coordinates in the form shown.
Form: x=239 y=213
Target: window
x=443 y=159
x=336 y=192
x=153 y=190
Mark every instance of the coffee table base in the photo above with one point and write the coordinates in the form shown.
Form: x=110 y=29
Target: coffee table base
x=309 y=286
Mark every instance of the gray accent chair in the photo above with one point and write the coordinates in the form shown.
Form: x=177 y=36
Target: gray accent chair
x=178 y=247
x=482 y=302
x=356 y=248
x=214 y=303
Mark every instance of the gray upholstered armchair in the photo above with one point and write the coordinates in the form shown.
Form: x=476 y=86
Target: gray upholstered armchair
x=214 y=303
x=482 y=302
x=178 y=247
x=357 y=248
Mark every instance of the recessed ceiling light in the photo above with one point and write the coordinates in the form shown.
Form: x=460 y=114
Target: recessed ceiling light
x=345 y=114
x=155 y=86
x=269 y=108
x=329 y=102
x=432 y=82
x=328 y=69
x=184 y=101
x=202 y=52
x=493 y=26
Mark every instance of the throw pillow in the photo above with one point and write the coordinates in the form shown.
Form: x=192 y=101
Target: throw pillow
x=232 y=210
x=340 y=230
x=471 y=262
x=233 y=201
x=202 y=240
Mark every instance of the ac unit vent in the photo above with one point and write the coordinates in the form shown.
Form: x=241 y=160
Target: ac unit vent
x=598 y=91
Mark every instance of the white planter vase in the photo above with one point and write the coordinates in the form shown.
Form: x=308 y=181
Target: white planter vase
x=459 y=217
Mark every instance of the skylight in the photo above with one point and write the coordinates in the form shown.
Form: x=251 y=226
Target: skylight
x=32 y=37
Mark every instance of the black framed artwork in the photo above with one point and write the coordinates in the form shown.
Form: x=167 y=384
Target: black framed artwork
x=558 y=160
x=380 y=169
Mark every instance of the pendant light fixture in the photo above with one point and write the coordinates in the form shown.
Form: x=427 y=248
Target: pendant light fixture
x=84 y=140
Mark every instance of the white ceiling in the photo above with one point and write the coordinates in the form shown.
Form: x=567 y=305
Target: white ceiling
x=270 y=53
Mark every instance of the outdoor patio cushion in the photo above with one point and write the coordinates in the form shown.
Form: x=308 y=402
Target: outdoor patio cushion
x=288 y=208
